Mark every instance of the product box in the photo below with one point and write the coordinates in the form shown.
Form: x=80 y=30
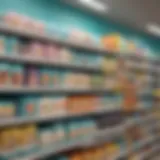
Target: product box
x=84 y=59
x=44 y=107
x=111 y=83
x=57 y=80
x=60 y=133
x=17 y=75
x=32 y=77
x=68 y=80
x=2 y=44
x=4 y=74
x=115 y=42
x=7 y=144
x=88 y=127
x=12 y=19
x=109 y=65
x=28 y=139
x=65 y=56
x=51 y=52
x=46 y=134
x=39 y=27
x=36 y=50
x=24 y=49
x=7 y=109
x=97 y=81
x=76 y=58
x=11 y=45
x=52 y=106
x=59 y=106
x=74 y=130
x=45 y=79
x=28 y=106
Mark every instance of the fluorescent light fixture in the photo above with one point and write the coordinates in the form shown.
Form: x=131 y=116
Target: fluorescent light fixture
x=154 y=28
x=95 y=4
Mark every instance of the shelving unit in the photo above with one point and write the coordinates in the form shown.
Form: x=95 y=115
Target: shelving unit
x=91 y=141
x=29 y=119
x=94 y=140
x=49 y=63
x=57 y=90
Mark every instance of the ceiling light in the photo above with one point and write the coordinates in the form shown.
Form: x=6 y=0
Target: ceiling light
x=154 y=28
x=97 y=5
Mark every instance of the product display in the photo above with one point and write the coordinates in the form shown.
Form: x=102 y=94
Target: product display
x=101 y=120
x=21 y=140
x=18 y=140
x=57 y=106
x=7 y=109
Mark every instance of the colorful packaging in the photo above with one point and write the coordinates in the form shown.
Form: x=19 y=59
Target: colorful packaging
x=29 y=138
x=59 y=134
x=56 y=78
x=97 y=81
x=114 y=42
x=12 y=19
x=45 y=134
x=7 y=143
x=111 y=83
x=45 y=107
x=52 y=106
x=45 y=78
x=109 y=65
x=52 y=52
x=95 y=61
x=7 y=109
x=39 y=26
x=76 y=58
x=65 y=56
x=4 y=74
x=74 y=130
x=67 y=79
x=11 y=45
x=17 y=75
x=28 y=106
x=59 y=104
x=24 y=49
x=36 y=49
x=83 y=59
x=2 y=44
x=32 y=77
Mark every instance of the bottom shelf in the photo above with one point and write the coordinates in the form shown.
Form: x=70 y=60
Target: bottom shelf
x=97 y=138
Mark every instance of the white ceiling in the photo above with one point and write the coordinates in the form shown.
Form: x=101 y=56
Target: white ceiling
x=135 y=13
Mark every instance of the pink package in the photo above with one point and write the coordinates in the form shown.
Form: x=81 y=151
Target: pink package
x=27 y=23
x=36 y=50
x=52 y=52
x=32 y=77
x=39 y=26
x=24 y=49
x=13 y=18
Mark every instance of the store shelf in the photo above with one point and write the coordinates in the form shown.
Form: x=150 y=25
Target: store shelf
x=49 y=63
x=29 y=119
x=77 y=45
x=144 y=142
x=140 y=120
x=137 y=146
x=92 y=140
x=57 y=90
x=99 y=137
x=147 y=154
x=48 y=38
x=138 y=58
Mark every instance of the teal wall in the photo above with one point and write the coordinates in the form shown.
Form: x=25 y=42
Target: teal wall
x=64 y=17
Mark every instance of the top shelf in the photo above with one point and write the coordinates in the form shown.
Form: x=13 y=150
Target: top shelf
x=51 y=38
x=73 y=44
